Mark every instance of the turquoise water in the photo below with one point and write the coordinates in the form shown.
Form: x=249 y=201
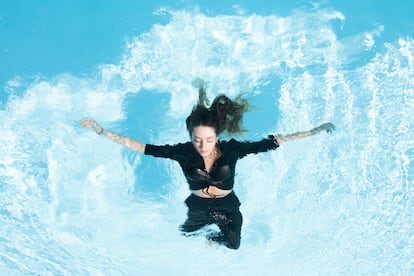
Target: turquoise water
x=73 y=203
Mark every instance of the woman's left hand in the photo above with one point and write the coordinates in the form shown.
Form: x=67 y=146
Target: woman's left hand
x=328 y=127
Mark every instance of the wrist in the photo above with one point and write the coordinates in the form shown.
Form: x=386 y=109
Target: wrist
x=315 y=130
x=275 y=139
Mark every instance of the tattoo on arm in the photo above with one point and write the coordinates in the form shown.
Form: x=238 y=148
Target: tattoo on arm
x=128 y=142
x=298 y=135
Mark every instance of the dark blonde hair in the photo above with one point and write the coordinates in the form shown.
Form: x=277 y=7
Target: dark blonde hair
x=224 y=114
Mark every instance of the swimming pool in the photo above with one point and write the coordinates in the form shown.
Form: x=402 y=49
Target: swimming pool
x=74 y=203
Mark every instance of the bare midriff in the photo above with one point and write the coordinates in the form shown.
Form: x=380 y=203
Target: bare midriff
x=211 y=192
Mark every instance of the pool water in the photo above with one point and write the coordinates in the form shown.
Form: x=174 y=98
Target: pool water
x=74 y=203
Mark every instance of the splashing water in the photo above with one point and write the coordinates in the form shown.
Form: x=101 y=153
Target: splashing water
x=75 y=203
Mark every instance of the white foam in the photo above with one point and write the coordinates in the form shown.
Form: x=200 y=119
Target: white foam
x=309 y=207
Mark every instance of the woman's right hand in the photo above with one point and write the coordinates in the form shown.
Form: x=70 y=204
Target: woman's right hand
x=91 y=123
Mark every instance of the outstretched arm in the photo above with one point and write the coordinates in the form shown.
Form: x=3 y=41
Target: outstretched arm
x=328 y=127
x=128 y=142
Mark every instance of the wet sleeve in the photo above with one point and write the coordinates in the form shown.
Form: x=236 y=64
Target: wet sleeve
x=165 y=151
x=246 y=147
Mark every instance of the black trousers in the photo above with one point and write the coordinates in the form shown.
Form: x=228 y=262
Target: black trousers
x=224 y=212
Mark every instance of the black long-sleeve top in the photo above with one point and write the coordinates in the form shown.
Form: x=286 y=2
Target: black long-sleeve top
x=222 y=172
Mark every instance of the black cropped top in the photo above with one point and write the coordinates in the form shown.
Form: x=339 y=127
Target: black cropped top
x=222 y=173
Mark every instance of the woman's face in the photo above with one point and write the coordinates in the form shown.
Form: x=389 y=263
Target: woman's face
x=204 y=140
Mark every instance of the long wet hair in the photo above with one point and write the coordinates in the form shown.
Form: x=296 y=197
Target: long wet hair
x=224 y=114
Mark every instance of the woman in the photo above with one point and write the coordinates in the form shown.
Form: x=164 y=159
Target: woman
x=209 y=164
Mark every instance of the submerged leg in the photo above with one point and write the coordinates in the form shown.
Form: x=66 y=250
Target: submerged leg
x=195 y=221
x=230 y=225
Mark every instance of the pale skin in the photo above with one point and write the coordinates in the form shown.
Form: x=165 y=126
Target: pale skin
x=204 y=140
